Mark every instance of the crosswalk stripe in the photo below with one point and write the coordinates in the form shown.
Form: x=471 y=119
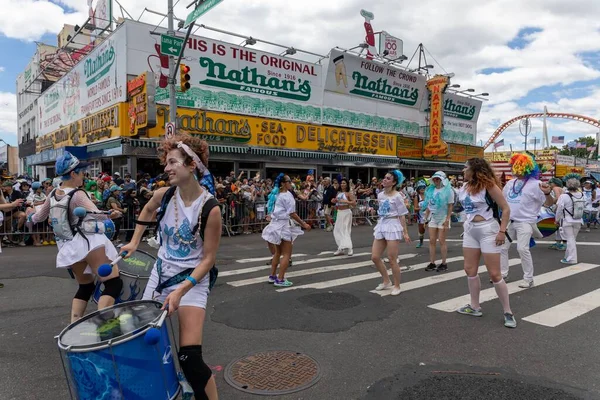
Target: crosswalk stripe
x=356 y=278
x=299 y=262
x=432 y=280
x=490 y=294
x=247 y=260
x=564 y=312
x=312 y=271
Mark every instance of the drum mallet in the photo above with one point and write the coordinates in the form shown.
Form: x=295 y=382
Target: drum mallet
x=152 y=337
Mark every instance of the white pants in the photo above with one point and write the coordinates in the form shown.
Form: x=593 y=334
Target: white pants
x=569 y=233
x=521 y=233
x=342 y=231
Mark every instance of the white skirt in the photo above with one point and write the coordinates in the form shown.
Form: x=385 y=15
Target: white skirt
x=388 y=229
x=282 y=229
x=342 y=230
x=75 y=250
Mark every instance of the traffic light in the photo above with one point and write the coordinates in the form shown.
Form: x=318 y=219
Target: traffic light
x=184 y=77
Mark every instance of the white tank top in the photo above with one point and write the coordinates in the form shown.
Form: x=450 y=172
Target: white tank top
x=181 y=249
x=475 y=204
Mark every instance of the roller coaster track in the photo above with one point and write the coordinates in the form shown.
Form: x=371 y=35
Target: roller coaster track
x=573 y=117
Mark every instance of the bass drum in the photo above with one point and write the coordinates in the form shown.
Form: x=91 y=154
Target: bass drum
x=546 y=222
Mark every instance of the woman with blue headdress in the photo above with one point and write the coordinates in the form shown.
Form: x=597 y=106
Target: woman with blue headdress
x=390 y=229
x=189 y=228
x=82 y=244
x=439 y=199
x=281 y=232
x=419 y=207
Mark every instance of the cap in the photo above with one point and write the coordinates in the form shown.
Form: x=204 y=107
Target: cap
x=8 y=184
x=36 y=185
x=117 y=174
x=440 y=175
x=114 y=188
x=67 y=163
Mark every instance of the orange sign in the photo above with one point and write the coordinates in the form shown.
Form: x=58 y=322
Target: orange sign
x=562 y=170
x=409 y=147
x=142 y=108
x=436 y=147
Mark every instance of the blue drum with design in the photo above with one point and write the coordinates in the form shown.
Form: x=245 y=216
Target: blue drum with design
x=107 y=356
x=135 y=272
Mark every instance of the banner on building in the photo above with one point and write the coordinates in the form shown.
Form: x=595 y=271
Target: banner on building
x=562 y=170
x=142 y=108
x=436 y=147
x=263 y=132
x=95 y=83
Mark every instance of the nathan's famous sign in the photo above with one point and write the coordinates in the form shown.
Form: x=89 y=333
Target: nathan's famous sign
x=266 y=132
x=436 y=147
x=354 y=75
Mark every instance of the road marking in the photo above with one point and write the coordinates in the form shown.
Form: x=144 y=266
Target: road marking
x=490 y=294
x=432 y=280
x=537 y=242
x=357 y=278
x=247 y=260
x=311 y=271
x=564 y=312
x=300 y=262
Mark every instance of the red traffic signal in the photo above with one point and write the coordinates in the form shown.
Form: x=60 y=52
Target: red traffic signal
x=184 y=77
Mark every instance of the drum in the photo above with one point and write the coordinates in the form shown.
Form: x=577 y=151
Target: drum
x=109 y=228
x=546 y=222
x=135 y=272
x=106 y=355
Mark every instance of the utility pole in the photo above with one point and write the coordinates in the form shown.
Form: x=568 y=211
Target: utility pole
x=171 y=81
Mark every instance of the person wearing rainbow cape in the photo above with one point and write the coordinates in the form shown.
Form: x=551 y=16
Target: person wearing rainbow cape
x=525 y=194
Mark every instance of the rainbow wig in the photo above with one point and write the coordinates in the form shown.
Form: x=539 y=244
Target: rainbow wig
x=524 y=165
x=274 y=193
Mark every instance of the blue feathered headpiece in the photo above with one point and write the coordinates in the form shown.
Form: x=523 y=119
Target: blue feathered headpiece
x=399 y=177
x=274 y=193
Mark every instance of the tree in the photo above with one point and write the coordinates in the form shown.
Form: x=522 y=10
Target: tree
x=582 y=153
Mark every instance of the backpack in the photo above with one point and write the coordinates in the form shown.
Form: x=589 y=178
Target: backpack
x=578 y=206
x=207 y=207
x=457 y=207
x=60 y=217
x=495 y=211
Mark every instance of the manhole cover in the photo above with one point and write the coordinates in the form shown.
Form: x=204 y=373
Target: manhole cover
x=273 y=373
x=330 y=301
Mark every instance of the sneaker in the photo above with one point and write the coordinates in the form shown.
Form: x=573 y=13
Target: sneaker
x=564 y=261
x=283 y=283
x=588 y=230
x=561 y=247
x=22 y=243
x=384 y=286
x=509 y=320
x=431 y=267
x=526 y=285
x=272 y=278
x=338 y=252
x=442 y=267
x=419 y=245
x=53 y=243
x=395 y=291
x=45 y=243
x=290 y=263
x=350 y=253
x=468 y=310
x=554 y=246
x=329 y=229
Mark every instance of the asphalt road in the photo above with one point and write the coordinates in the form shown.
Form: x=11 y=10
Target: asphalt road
x=367 y=346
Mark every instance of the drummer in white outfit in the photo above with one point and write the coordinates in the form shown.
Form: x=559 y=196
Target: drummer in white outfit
x=390 y=229
x=185 y=158
x=81 y=250
x=551 y=202
x=525 y=195
x=281 y=231
x=483 y=235
x=568 y=220
x=342 y=232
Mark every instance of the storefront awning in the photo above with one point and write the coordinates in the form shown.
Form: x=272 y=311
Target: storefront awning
x=367 y=159
x=263 y=151
x=213 y=148
x=441 y=165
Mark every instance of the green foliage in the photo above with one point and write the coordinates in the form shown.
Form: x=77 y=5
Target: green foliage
x=583 y=153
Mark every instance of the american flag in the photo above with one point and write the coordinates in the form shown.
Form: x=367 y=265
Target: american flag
x=558 y=139
x=580 y=146
x=592 y=148
x=499 y=144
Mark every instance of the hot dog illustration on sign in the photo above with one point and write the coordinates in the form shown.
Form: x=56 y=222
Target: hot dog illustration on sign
x=370 y=33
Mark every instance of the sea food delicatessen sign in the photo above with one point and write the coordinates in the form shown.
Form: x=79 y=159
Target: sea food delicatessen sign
x=273 y=133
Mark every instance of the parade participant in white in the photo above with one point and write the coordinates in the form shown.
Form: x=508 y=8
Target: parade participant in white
x=342 y=232
x=590 y=198
x=180 y=278
x=281 y=231
x=557 y=189
x=483 y=235
x=390 y=229
x=525 y=195
x=439 y=199
x=569 y=216
x=419 y=206
x=82 y=245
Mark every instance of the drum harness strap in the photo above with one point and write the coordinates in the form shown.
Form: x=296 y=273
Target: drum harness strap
x=75 y=228
x=207 y=207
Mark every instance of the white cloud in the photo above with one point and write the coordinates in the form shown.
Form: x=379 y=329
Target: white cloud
x=464 y=36
x=8 y=113
x=2 y=69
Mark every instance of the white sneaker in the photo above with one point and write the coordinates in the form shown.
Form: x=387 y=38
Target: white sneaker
x=395 y=291
x=338 y=252
x=384 y=286
x=526 y=285
x=350 y=252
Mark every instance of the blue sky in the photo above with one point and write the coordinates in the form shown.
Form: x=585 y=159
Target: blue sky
x=540 y=53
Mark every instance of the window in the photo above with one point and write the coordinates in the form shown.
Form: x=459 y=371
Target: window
x=94 y=168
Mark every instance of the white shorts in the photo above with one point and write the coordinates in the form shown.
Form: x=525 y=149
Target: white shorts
x=482 y=235
x=438 y=224
x=196 y=297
